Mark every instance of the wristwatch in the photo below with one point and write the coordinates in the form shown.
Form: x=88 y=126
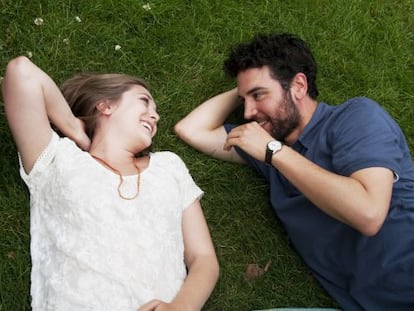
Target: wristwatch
x=272 y=147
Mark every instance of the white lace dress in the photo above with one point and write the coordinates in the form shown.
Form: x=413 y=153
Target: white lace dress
x=92 y=250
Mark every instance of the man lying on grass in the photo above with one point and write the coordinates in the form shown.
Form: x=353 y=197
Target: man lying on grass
x=341 y=177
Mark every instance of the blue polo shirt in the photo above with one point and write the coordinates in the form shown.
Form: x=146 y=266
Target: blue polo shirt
x=359 y=272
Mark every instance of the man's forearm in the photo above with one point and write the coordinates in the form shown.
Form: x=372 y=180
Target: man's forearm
x=210 y=115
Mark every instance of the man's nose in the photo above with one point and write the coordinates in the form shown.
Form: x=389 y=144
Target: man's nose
x=250 y=109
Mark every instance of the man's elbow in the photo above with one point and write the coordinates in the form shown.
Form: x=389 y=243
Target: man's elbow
x=372 y=225
x=182 y=132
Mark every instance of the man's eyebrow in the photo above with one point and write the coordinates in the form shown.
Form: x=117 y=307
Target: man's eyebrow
x=250 y=92
x=255 y=89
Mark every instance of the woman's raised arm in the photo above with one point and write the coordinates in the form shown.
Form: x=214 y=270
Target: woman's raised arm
x=32 y=100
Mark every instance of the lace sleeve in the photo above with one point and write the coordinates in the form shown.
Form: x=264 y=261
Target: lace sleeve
x=41 y=162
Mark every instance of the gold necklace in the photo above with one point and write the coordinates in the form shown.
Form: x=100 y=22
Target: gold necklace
x=121 y=179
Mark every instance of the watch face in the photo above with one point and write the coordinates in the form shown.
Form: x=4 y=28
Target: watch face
x=274 y=145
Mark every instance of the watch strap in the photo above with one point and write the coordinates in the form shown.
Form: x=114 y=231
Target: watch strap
x=268 y=157
x=270 y=152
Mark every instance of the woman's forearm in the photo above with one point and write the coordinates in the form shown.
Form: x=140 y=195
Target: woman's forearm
x=202 y=277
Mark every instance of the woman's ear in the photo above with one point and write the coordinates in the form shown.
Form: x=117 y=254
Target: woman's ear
x=104 y=107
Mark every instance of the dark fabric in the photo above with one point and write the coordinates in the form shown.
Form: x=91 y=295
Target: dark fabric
x=359 y=272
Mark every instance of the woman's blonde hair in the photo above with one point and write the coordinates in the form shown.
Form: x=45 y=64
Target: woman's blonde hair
x=84 y=91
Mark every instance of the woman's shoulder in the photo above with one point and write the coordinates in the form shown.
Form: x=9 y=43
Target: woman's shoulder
x=167 y=159
x=60 y=152
x=165 y=155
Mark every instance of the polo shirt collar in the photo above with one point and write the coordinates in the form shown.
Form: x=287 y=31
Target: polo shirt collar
x=305 y=138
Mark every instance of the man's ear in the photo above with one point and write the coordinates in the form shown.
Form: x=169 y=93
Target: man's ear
x=300 y=85
x=104 y=107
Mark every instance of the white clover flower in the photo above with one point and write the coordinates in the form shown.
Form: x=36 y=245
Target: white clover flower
x=38 y=21
x=1 y=79
x=29 y=54
x=147 y=7
x=117 y=47
x=78 y=19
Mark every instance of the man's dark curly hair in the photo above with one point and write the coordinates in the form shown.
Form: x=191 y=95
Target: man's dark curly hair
x=285 y=54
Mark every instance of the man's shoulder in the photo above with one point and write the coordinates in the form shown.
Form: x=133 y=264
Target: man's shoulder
x=358 y=107
x=359 y=103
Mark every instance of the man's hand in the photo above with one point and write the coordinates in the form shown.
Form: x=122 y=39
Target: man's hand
x=250 y=137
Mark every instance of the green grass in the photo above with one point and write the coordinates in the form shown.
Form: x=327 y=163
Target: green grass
x=362 y=47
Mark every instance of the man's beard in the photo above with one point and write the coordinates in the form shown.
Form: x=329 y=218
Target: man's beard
x=281 y=128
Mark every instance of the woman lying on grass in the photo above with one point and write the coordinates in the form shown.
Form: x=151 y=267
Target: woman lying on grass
x=114 y=226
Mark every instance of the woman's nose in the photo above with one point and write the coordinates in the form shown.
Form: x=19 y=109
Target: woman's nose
x=155 y=116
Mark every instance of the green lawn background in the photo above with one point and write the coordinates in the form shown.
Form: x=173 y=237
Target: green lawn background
x=364 y=48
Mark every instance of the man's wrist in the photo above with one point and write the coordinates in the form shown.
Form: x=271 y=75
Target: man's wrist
x=272 y=147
